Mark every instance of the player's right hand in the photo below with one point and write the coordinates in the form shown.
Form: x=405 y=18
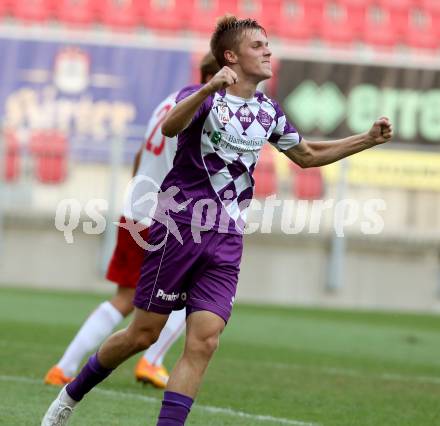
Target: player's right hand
x=224 y=78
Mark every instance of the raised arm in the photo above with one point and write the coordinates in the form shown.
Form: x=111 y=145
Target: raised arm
x=180 y=116
x=320 y=153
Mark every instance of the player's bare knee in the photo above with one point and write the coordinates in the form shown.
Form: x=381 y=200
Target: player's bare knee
x=145 y=338
x=138 y=339
x=125 y=308
x=122 y=300
x=211 y=344
x=204 y=347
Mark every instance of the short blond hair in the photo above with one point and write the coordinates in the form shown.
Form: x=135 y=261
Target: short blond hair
x=228 y=33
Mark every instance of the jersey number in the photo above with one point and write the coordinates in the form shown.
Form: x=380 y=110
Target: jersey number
x=149 y=146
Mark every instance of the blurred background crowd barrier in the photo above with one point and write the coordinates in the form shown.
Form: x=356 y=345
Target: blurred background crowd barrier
x=80 y=78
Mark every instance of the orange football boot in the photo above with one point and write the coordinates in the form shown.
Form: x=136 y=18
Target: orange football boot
x=55 y=376
x=157 y=375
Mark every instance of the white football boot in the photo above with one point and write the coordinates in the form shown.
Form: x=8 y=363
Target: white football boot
x=60 y=410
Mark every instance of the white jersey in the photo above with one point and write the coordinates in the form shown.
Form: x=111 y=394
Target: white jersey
x=156 y=161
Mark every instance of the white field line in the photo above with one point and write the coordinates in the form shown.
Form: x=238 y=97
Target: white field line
x=333 y=371
x=206 y=408
x=385 y=376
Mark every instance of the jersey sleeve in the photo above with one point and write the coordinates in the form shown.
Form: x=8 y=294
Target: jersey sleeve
x=284 y=136
x=153 y=134
x=204 y=108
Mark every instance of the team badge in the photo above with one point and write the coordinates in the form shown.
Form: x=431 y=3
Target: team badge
x=265 y=119
x=245 y=114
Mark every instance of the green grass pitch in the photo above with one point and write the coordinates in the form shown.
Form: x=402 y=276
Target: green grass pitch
x=275 y=366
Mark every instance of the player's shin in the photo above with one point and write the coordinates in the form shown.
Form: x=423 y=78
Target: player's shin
x=90 y=375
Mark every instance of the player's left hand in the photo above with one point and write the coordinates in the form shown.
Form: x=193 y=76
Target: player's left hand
x=381 y=131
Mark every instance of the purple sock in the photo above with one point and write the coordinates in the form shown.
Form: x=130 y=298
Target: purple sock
x=175 y=409
x=90 y=375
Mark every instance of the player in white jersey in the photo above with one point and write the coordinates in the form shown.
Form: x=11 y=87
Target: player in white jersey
x=152 y=163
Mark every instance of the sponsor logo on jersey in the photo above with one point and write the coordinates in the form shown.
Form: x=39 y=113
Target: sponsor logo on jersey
x=234 y=143
x=216 y=138
x=223 y=112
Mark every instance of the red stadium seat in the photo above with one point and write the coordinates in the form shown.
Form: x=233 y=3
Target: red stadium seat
x=49 y=149
x=342 y=20
x=264 y=11
x=298 y=20
x=12 y=162
x=265 y=174
x=3 y=8
x=32 y=10
x=423 y=25
x=204 y=13
x=385 y=21
x=171 y=15
x=433 y=5
x=307 y=183
x=120 y=14
x=76 y=12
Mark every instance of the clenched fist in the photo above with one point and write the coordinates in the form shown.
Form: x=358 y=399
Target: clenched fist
x=381 y=131
x=223 y=79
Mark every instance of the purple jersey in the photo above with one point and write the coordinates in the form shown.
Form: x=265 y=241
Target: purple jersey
x=217 y=154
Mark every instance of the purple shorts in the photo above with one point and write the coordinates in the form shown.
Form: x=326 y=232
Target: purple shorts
x=199 y=275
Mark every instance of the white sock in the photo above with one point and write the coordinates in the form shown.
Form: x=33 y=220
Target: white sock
x=97 y=327
x=170 y=333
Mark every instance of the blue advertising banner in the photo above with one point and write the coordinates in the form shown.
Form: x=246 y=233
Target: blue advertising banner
x=91 y=93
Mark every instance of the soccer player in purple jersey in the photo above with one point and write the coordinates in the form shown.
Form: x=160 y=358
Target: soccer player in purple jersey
x=221 y=128
x=153 y=161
